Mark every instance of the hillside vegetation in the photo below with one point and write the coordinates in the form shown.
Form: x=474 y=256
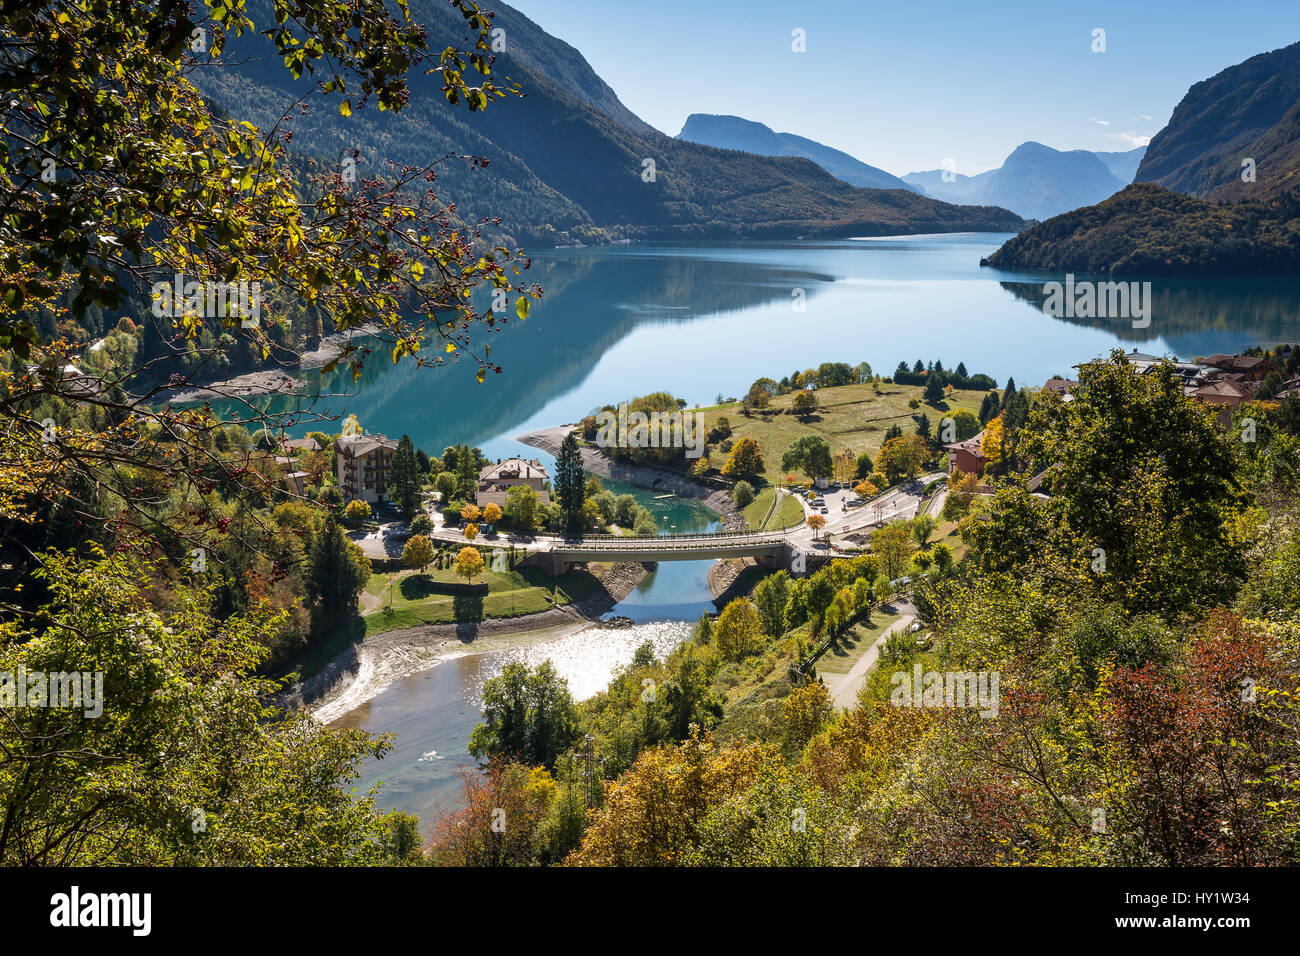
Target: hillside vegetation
x=1147 y=230
x=568 y=157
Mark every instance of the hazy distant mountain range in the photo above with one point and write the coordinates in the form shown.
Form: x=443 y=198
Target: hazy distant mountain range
x=1217 y=193
x=569 y=159
x=1036 y=181
x=1123 y=166
x=734 y=132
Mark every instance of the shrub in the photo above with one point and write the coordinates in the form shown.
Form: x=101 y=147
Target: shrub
x=742 y=494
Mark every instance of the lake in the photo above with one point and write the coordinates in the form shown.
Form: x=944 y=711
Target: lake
x=701 y=319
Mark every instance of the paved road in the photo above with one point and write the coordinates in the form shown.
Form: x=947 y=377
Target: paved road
x=903 y=501
x=845 y=690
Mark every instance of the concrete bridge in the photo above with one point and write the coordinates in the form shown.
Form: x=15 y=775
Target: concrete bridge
x=775 y=548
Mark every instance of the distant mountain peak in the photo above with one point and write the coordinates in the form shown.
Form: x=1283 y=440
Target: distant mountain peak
x=724 y=131
x=1035 y=181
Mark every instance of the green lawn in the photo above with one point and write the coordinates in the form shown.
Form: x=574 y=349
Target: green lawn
x=414 y=602
x=850 y=416
x=788 y=514
x=853 y=643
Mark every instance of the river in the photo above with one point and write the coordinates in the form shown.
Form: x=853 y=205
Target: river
x=433 y=710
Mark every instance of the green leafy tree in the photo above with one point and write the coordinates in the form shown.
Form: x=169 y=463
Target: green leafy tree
x=399 y=840
x=770 y=598
x=119 y=175
x=522 y=506
x=864 y=466
x=964 y=425
x=738 y=632
x=805 y=403
x=468 y=462
x=182 y=762
x=447 y=486
x=528 y=716
x=810 y=454
x=893 y=545
x=903 y=457
x=1145 y=499
x=922 y=527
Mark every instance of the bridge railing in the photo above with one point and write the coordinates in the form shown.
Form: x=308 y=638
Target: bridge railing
x=665 y=542
x=675 y=536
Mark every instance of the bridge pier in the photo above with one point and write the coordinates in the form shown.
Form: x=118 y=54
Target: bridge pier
x=548 y=561
x=797 y=561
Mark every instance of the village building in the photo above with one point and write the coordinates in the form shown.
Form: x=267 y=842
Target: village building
x=363 y=464
x=964 y=456
x=296 y=481
x=1251 y=366
x=1225 y=392
x=1063 y=387
x=495 y=480
x=74 y=382
x=1290 y=387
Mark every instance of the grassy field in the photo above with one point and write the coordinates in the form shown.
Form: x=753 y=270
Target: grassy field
x=850 y=416
x=788 y=514
x=947 y=533
x=853 y=643
x=512 y=593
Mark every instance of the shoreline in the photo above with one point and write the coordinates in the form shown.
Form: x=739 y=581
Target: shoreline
x=248 y=385
x=273 y=381
x=360 y=672
x=652 y=479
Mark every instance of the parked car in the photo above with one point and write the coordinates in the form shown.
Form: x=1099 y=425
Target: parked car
x=823 y=509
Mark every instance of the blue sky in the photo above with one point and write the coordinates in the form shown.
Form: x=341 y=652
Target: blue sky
x=904 y=85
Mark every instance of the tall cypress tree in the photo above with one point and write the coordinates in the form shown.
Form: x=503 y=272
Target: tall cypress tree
x=467 y=468
x=569 y=481
x=989 y=407
x=335 y=576
x=404 y=477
